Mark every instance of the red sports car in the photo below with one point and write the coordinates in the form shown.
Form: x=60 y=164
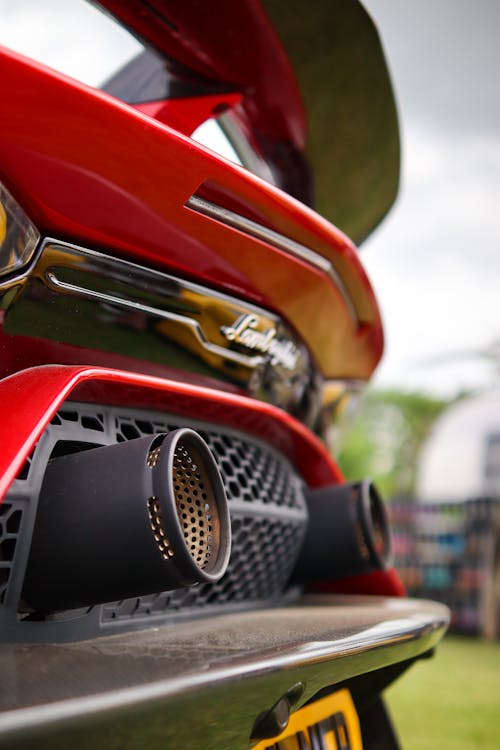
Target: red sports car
x=181 y=560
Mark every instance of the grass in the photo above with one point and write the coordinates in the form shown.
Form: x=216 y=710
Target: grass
x=450 y=702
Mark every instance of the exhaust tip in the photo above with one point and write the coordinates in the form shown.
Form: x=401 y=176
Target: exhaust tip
x=348 y=533
x=192 y=505
x=372 y=519
x=127 y=520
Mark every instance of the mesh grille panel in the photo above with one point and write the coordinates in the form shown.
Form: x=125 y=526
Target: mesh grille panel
x=261 y=563
x=260 y=484
x=266 y=504
x=10 y=524
x=250 y=471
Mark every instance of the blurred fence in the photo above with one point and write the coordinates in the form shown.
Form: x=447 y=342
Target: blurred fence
x=450 y=552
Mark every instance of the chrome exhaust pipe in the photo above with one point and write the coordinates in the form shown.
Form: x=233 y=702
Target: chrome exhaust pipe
x=348 y=533
x=125 y=520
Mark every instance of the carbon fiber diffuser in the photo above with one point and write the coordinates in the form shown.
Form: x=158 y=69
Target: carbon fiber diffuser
x=126 y=520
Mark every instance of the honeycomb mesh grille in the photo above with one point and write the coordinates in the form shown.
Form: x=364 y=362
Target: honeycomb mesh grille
x=262 y=560
x=10 y=524
x=249 y=471
x=266 y=504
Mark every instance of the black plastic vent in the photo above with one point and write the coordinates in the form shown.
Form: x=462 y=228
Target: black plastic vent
x=11 y=514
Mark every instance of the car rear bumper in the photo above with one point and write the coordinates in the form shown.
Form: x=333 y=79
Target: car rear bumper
x=168 y=686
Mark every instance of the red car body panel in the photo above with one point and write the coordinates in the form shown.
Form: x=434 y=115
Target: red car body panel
x=89 y=173
x=186 y=114
x=31 y=397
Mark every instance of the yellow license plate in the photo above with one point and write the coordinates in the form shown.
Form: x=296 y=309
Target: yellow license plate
x=328 y=724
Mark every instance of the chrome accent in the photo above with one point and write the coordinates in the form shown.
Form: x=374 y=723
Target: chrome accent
x=79 y=296
x=82 y=297
x=261 y=232
x=52 y=281
x=244 y=331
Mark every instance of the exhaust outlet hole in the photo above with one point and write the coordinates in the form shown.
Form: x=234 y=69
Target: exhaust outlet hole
x=156 y=519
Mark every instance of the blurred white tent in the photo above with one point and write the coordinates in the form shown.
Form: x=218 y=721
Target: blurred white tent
x=461 y=457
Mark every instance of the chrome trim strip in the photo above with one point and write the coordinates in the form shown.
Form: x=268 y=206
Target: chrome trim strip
x=261 y=232
x=136 y=271
x=250 y=656
x=222 y=336
x=153 y=316
x=56 y=284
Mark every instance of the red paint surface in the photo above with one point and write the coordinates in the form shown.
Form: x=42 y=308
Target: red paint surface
x=379 y=583
x=22 y=352
x=186 y=114
x=31 y=397
x=97 y=172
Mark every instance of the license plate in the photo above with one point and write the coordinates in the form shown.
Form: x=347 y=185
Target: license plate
x=327 y=724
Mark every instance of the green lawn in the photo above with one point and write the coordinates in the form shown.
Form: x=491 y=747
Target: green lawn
x=450 y=702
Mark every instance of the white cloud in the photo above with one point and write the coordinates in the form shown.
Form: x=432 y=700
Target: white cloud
x=73 y=37
x=435 y=263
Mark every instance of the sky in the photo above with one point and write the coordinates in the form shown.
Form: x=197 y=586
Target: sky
x=435 y=261
x=69 y=35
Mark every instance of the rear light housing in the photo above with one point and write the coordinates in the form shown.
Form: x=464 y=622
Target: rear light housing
x=18 y=236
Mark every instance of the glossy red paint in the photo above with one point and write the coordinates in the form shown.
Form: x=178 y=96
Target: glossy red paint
x=186 y=114
x=230 y=42
x=379 y=582
x=31 y=397
x=97 y=172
